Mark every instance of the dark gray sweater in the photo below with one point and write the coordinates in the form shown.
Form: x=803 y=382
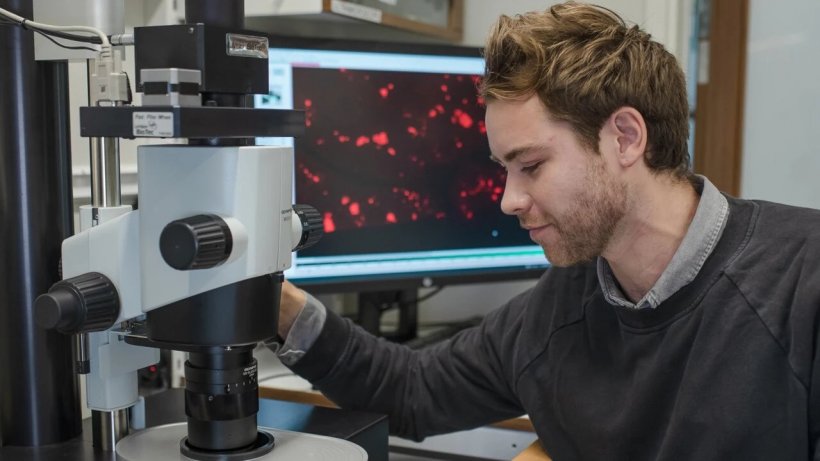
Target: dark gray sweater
x=726 y=368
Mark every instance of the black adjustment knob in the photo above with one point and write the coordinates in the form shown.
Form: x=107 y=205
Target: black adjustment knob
x=199 y=242
x=312 y=226
x=85 y=303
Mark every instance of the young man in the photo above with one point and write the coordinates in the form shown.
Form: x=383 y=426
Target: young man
x=674 y=323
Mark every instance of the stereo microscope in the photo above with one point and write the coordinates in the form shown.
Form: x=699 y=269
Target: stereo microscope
x=198 y=266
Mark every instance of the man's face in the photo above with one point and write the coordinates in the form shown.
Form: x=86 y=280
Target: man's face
x=561 y=191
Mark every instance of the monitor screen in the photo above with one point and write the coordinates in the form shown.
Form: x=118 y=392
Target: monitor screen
x=395 y=158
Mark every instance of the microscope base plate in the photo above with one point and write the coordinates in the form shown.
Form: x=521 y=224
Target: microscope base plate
x=161 y=443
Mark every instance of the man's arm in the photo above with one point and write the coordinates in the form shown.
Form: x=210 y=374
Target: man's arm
x=301 y=318
x=292 y=302
x=459 y=384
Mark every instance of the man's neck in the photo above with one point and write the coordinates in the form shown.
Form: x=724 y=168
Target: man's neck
x=650 y=234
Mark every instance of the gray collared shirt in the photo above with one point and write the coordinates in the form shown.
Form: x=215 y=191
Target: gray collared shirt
x=698 y=243
x=700 y=239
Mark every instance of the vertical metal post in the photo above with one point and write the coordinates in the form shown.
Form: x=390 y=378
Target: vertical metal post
x=105 y=169
x=105 y=166
x=108 y=427
x=39 y=402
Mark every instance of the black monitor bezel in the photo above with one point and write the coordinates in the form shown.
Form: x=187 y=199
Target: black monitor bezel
x=411 y=280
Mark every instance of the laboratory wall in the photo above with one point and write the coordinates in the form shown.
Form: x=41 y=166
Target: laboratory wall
x=781 y=153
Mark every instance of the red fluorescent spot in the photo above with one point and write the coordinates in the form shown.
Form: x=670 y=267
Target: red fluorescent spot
x=316 y=179
x=390 y=86
x=391 y=151
x=459 y=144
x=440 y=215
x=412 y=130
x=371 y=200
x=308 y=103
x=380 y=138
x=344 y=138
x=342 y=70
x=328 y=223
x=354 y=209
x=447 y=97
x=432 y=113
x=383 y=92
x=324 y=193
x=498 y=190
x=469 y=215
x=440 y=108
x=494 y=197
x=465 y=120
x=335 y=132
x=463 y=193
x=480 y=101
x=308 y=122
x=320 y=141
x=414 y=216
x=362 y=140
x=464 y=101
x=390 y=217
x=444 y=88
x=345 y=200
x=481 y=128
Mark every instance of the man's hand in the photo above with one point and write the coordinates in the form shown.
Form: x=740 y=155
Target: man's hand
x=292 y=301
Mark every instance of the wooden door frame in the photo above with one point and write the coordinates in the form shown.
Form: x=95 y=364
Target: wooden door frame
x=718 y=144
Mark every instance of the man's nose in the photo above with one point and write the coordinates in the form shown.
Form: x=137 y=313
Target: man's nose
x=515 y=201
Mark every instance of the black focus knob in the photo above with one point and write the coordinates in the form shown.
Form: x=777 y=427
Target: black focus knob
x=199 y=242
x=312 y=226
x=85 y=303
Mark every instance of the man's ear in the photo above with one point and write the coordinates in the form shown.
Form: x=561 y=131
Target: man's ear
x=627 y=128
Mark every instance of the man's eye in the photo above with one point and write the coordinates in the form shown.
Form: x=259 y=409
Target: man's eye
x=531 y=168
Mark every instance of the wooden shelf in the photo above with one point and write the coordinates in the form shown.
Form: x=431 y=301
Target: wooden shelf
x=448 y=26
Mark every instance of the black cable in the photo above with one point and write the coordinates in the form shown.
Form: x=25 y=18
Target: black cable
x=62 y=45
x=428 y=295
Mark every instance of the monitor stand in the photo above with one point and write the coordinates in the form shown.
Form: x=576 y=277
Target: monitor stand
x=373 y=304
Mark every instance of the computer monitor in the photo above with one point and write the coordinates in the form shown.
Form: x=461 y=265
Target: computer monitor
x=395 y=157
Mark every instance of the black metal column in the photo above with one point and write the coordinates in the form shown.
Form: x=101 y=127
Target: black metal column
x=39 y=399
x=223 y=13
x=229 y=14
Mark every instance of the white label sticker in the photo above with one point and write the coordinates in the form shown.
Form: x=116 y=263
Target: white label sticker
x=353 y=10
x=154 y=124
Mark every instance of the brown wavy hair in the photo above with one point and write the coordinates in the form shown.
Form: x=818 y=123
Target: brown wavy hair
x=584 y=62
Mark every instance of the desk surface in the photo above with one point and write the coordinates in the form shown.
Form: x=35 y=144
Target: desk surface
x=295 y=389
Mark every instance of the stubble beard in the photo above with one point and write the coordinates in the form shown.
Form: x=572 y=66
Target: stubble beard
x=594 y=215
